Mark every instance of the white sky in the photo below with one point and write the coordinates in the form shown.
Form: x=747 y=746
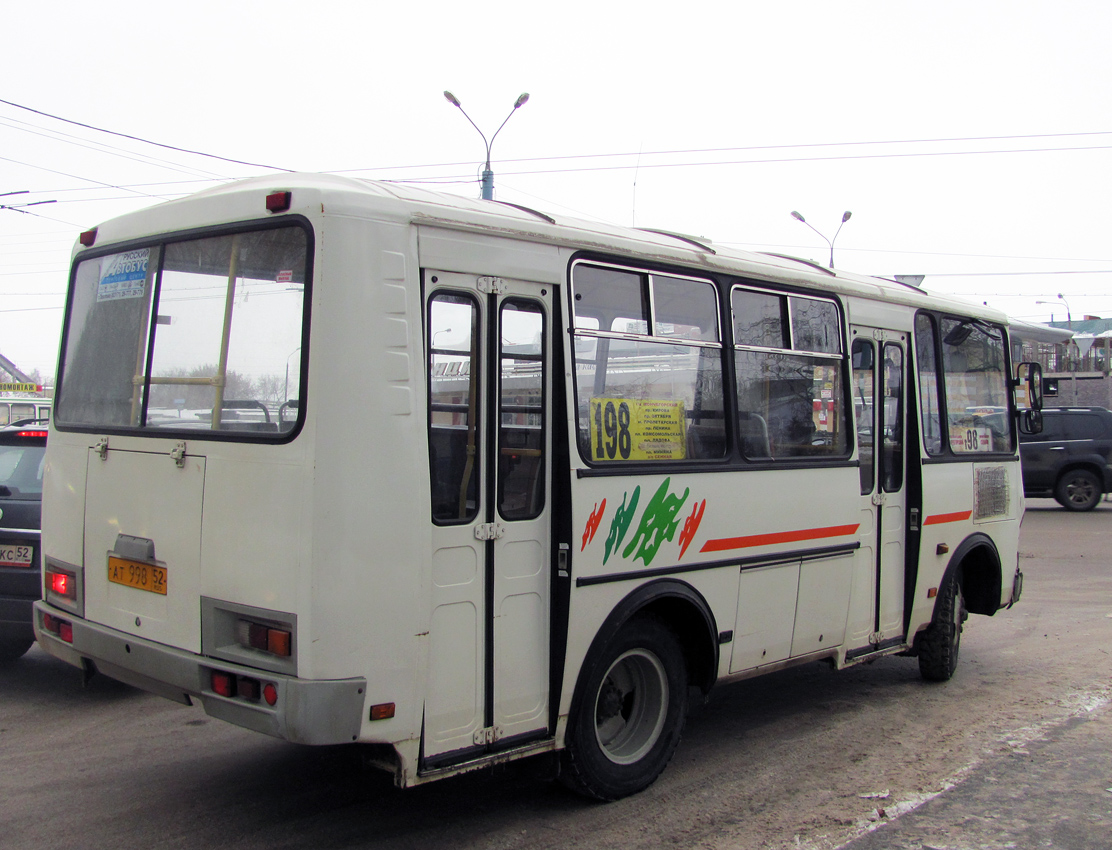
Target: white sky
x=786 y=93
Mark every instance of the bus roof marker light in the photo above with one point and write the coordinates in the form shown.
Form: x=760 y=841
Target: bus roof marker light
x=88 y=237
x=277 y=202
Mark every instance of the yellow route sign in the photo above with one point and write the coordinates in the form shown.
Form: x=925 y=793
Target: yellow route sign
x=637 y=429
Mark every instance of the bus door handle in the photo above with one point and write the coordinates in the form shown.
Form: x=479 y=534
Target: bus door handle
x=563 y=561
x=913 y=519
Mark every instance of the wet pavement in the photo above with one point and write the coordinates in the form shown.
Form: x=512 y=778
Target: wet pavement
x=1055 y=791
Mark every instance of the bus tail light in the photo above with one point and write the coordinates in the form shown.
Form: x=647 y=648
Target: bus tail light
x=223 y=684
x=247 y=688
x=231 y=686
x=264 y=638
x=62 y=628
x=62 y=584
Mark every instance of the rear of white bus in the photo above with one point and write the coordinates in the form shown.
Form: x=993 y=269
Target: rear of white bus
x=178 y=480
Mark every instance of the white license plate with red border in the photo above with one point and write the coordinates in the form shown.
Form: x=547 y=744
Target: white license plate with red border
x=18 y=555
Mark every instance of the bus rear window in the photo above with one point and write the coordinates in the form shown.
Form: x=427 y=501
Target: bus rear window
x=201 y=335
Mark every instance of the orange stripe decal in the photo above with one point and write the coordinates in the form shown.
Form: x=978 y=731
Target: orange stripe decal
x=939 y=519
x=726 y=543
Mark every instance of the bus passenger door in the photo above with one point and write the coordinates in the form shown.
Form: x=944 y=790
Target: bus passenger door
x=879 y=370
x=489 y=341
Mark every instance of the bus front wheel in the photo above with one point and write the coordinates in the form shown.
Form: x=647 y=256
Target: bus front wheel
x=628 y=713
x=939 y=644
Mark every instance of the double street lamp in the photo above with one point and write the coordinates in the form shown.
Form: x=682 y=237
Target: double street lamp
x=488 y=175
x=830 y=242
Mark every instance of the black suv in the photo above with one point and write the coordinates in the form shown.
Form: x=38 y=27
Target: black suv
x=1070 y=459
x=22 y=446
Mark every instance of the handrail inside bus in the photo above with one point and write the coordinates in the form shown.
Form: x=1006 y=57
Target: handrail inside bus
x=701 y=244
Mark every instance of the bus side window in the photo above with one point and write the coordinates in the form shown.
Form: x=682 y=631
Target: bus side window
x=891 y=419
x=789 y=363
x=929 y=400
x=648 y=371
x=454 y=438
x=521 y=437
x=864 y=393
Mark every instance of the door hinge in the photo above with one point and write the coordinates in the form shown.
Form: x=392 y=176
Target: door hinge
x=101 y=448
x=491 y=285
x=488 y=735
x=879 y=499
x=876 y=638
x=177 y=455
x=913 y=519
x=489 y=530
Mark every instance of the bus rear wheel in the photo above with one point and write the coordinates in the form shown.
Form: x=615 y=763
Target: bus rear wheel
x=939 y=644
x=628 y=713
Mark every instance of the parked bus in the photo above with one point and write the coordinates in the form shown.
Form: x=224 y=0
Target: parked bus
x=466 y=483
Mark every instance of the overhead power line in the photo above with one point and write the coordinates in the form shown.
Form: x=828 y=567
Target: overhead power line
x=110 y=150
x=138 y=139
x=641 y=154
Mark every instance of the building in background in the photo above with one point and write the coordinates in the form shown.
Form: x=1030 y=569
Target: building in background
x=1075 y=357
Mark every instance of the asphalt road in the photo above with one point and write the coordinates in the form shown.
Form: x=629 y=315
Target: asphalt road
x=807 y=757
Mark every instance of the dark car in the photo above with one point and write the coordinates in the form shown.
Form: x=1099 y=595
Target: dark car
x=1070 y=459
x=22 y=446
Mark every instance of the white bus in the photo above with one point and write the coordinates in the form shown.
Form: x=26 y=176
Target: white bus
x=354 y=462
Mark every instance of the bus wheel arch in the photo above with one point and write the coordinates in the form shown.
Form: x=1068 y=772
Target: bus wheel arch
x=977 y=562
x=630 y=700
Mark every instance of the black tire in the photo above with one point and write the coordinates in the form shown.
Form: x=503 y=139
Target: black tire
x=627 y=714
x=13 y=650
x=940 y=643
x=1078 y=490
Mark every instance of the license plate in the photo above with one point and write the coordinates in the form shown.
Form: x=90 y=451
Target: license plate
x=16 y=556
x=137 y=574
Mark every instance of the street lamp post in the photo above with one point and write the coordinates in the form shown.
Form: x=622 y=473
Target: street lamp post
x=286 y=393
x=19 y=207
x=830 y=242
x=488 y=175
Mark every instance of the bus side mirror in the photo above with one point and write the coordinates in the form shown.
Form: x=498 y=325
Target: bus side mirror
x=1029 y=397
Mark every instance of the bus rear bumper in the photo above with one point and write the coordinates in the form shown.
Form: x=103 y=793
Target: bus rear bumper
x=305 y=711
